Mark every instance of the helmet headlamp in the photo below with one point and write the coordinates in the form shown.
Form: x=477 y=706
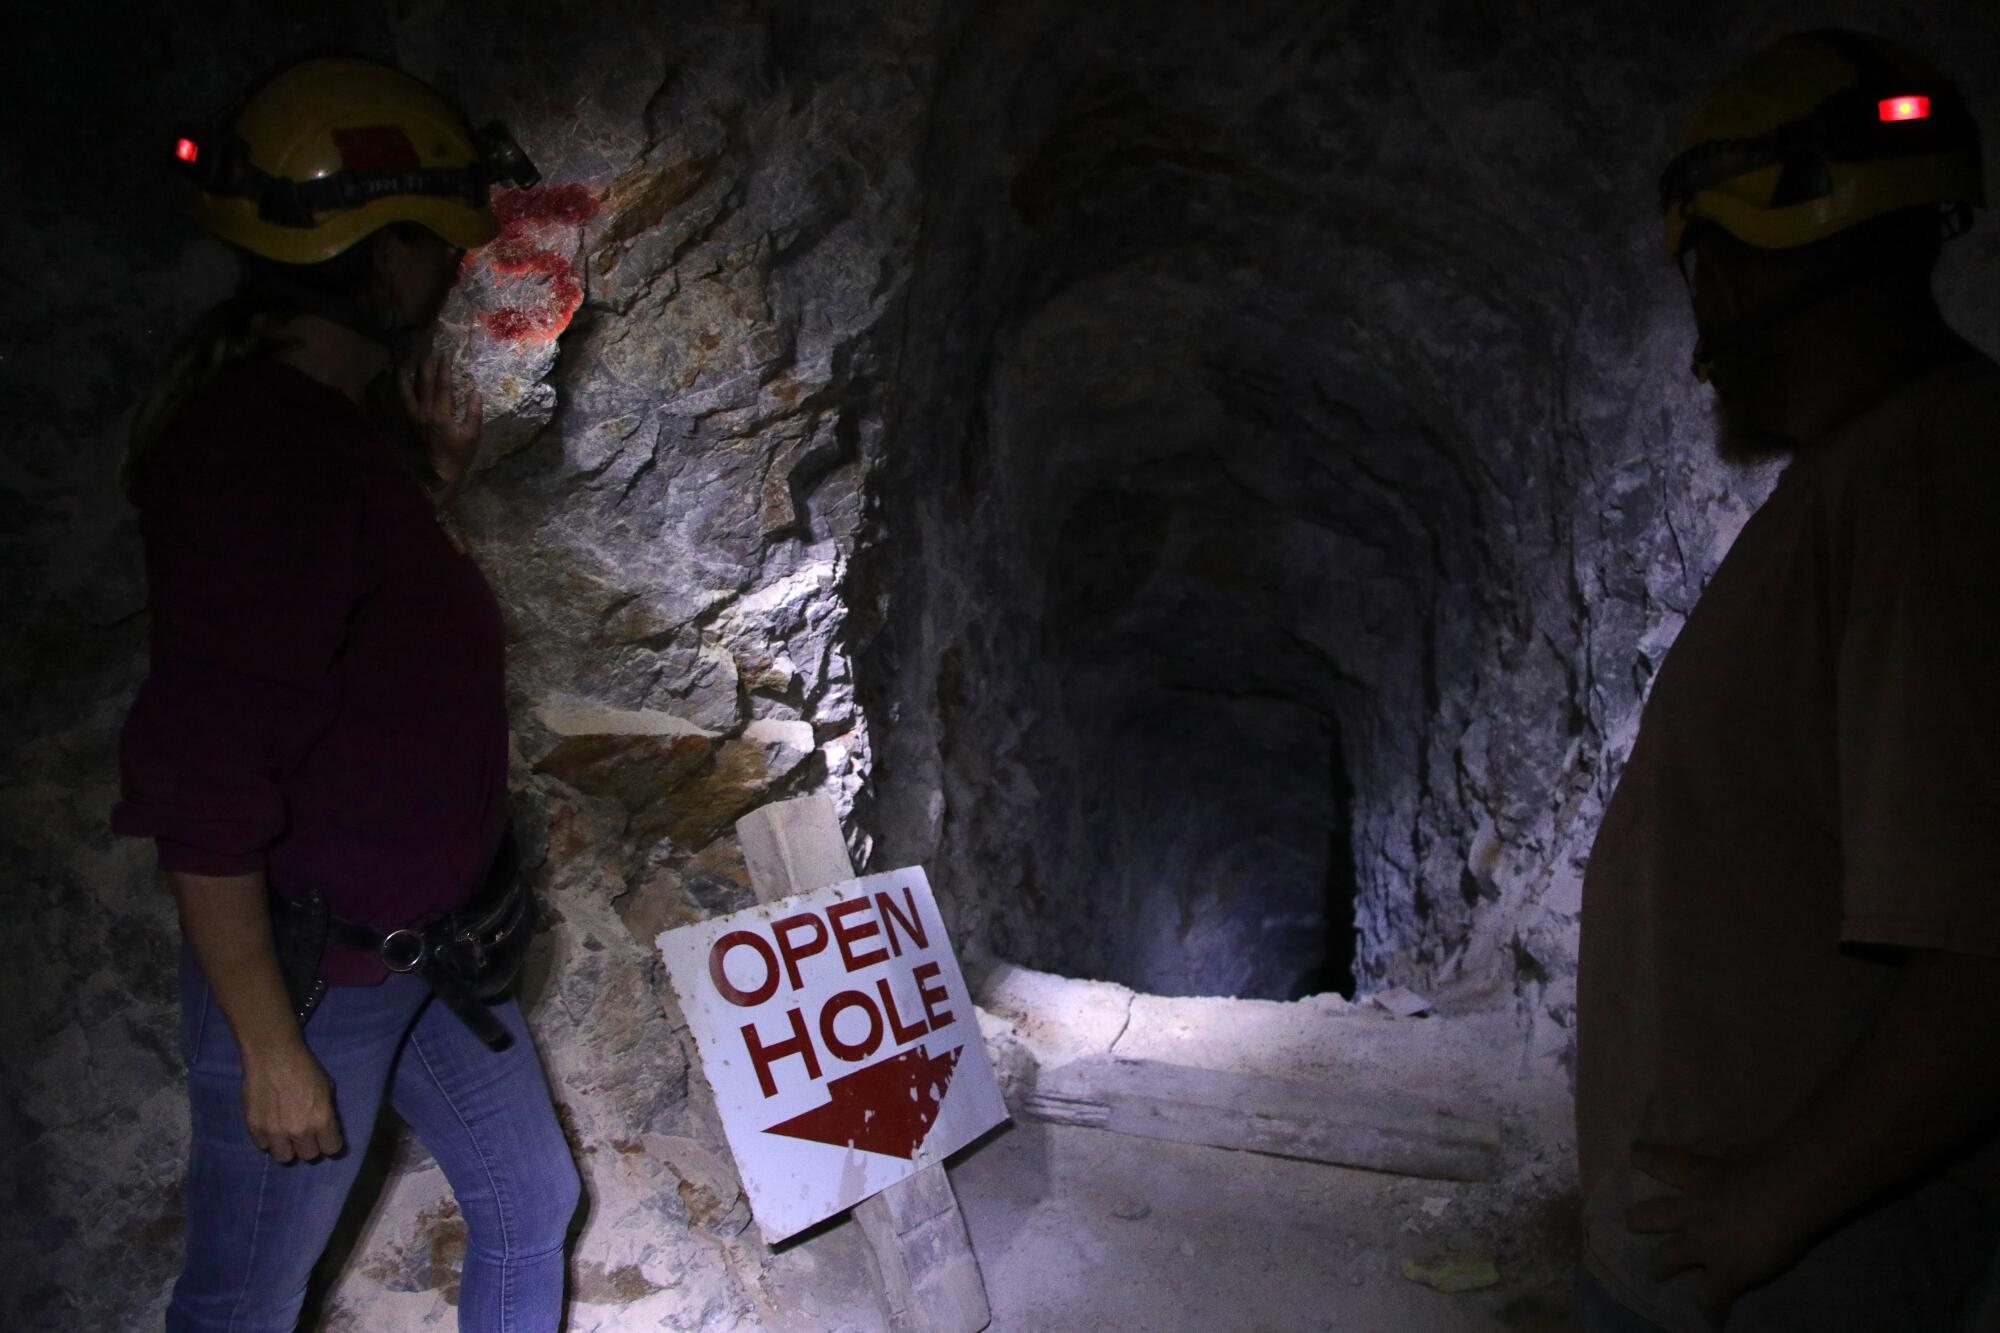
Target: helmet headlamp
x=329 y=149
x=226 y=169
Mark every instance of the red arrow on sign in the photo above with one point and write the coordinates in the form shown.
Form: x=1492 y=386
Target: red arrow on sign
x=887 y=1107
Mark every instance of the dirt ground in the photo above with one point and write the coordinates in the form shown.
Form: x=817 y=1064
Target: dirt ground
x=1079 y=1229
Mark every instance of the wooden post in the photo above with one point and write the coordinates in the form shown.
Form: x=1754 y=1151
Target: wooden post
x=930 y=1276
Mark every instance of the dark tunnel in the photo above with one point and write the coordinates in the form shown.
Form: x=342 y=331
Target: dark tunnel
x=1221 y=499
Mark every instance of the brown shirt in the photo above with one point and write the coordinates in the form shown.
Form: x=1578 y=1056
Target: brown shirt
x=1817 y=771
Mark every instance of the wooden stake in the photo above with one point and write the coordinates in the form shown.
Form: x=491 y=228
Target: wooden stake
x=922 y=1250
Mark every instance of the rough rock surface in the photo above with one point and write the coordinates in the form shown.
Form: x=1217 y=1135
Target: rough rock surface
x=1210 y=481
x=679 y=337
x=1310 y=480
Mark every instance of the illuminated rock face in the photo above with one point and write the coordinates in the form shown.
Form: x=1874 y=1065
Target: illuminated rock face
x=1209 y=481
x=683 y=339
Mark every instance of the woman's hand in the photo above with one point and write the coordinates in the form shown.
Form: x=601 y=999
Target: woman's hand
x=287 y=1098
x=288 y=1105
x=450 y=440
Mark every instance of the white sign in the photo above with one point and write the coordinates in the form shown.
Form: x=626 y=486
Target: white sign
x=840 y=1040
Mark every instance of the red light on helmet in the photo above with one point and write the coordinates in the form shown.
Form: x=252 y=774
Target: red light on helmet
x=187 y=150
x=1904 y=108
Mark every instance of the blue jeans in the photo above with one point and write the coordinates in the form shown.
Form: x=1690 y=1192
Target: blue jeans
x=255 y=1229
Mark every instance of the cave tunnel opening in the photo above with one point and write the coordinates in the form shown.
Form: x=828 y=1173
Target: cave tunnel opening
x=1214 y=591
x=1214 y=781
x=1200 y=493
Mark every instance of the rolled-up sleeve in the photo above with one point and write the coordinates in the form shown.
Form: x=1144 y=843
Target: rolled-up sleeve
x=1919 y=705
x=253 y=560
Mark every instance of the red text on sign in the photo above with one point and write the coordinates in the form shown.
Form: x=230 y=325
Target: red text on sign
x=861 y=939
x=800 y=937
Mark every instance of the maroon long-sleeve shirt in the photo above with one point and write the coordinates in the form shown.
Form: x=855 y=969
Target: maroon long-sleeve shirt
x=327 y=694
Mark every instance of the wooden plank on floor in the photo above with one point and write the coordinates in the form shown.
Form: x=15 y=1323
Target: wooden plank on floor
x=1258 y=1113
x=930 y=1277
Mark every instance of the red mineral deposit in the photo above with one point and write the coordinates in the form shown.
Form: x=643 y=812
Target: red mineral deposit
x=522 y=250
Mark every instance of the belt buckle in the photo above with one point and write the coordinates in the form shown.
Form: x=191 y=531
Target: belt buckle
x=403 y=950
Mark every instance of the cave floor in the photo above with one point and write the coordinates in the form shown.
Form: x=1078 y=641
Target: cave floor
x=1080 y=1229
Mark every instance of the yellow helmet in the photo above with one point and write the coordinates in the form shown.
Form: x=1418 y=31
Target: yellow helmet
x=1818 y=132
x=331 y=149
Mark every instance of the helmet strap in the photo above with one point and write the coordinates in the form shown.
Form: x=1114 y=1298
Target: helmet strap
x=224 y=168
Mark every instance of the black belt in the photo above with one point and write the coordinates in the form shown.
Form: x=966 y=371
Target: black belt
x=467 y=957
x=413 y=950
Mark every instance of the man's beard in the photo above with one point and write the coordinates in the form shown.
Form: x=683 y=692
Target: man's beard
x=1741 y=436
x=1741 y=441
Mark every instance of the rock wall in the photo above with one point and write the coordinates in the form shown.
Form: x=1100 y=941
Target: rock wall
x=681 y=338
x=1311 y=480
x=1210 y=481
